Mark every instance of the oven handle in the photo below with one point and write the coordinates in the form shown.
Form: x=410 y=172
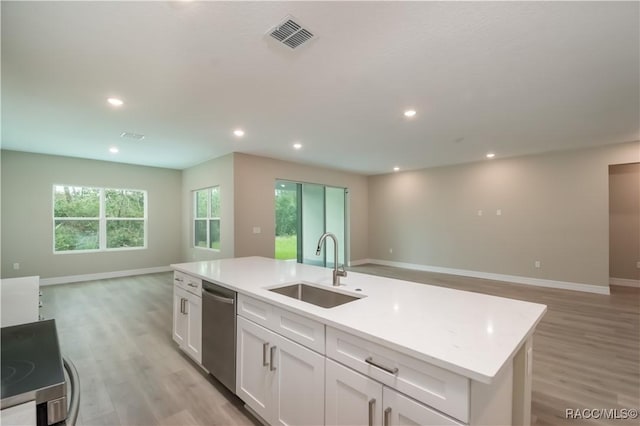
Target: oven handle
x=218 y=298
x=74 y=380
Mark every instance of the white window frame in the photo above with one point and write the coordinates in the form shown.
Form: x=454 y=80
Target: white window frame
x=207 y=218
x=102 y=220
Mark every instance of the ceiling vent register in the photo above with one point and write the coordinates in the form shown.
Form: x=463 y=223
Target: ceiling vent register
x=290 y=33
x=130 y=135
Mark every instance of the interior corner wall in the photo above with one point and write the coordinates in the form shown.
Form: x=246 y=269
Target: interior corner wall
x=27 y=222
x=216 y=172
x=255 y=202
x=554 y=209
x=624 y=221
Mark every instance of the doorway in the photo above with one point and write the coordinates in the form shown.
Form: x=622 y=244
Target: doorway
x=305 y=211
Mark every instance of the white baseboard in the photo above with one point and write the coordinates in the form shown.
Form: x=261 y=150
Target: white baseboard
x=516 y=279
x=102 y=275
x=624 y=282
x=359 y=262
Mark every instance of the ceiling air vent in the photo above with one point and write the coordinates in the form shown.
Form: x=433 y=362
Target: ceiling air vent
x=291 y=33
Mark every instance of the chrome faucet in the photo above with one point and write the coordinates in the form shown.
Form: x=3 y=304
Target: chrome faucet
x=337 y=273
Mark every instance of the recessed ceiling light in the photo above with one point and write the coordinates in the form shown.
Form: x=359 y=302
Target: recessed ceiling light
x=410 y=113
x=114 y=150
x=396 y=169
x=490 y=155
x=238 y=132
x=297 y=145
x=115 y=101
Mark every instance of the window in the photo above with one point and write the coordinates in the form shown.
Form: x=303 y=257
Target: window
x=95 y=219
x=206 y=218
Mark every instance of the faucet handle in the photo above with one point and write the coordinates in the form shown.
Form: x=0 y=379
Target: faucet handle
x=341 y=271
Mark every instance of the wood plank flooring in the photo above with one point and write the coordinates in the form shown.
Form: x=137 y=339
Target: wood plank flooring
x=118 y=333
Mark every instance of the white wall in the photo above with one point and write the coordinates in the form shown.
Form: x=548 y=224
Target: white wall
x=27 y=225
x=555 y=209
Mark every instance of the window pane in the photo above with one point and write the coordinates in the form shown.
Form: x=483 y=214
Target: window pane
x=76 y=235
x=201 y=204
x=125 y=233
x=214 y=232
x=124 y=203
x=215 y=201
x=74 y=201
x=200 y=233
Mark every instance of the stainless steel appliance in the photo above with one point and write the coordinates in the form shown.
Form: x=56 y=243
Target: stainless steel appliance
x=219 y=333
x=32 y=370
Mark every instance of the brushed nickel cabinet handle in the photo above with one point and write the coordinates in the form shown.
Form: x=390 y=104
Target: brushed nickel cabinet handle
x=178 y=279
x=273 y=358
x=265 y=349
x=372 y=405
x=387 y=417
x=389 y=370
x=190 y=284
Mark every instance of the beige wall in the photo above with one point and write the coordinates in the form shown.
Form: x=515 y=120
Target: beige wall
x=555 y=209
x=255 y=202
x=624 y=221
x=27 y=227
x=217 y=172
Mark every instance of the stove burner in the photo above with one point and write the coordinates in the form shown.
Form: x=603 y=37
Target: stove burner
x=16 y=371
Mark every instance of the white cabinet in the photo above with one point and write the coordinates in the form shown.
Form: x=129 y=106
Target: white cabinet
x=187 y=315
x=20 y=300
x=282 y=381
x=354 y=399
x=434 y=386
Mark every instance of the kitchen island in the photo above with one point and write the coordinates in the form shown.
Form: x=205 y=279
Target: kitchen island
x=465 y=356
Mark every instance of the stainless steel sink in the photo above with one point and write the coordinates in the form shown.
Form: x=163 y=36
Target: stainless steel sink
x=315 y=295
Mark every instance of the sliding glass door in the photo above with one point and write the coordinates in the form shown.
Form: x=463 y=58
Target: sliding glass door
x=304 y=212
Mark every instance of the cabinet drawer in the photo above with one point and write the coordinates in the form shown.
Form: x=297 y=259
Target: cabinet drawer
x=439 y=388
x=301 y=330
x=187 y=282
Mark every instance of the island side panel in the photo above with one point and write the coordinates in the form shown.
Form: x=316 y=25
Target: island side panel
x=522 y=378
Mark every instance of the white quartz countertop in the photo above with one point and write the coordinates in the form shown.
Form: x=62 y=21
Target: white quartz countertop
x=470 y=334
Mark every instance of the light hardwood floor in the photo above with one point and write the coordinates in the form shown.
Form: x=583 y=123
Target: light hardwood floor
x=118 y=333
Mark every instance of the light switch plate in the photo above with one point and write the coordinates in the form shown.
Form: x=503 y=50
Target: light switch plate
x=257 y=230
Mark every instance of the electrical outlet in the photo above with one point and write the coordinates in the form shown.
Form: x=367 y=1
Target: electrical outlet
x=638 y=264
x=479 y=212
x=390 y=250
x=16 y=266
x=537 y=264
x=499 y=212
x=257 y=230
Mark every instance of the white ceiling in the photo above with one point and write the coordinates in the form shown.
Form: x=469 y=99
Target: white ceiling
x=509 y=77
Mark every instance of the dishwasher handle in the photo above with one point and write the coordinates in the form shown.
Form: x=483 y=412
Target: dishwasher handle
x=217 y=298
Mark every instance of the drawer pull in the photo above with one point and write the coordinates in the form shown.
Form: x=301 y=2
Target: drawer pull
x=179 y=280
x=273 y=358
x=190 y=284
x=372 y=405
x=393 y=370
x=387 y=417
x=265 y=349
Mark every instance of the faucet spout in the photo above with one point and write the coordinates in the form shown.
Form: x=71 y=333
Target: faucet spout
x=337 y=273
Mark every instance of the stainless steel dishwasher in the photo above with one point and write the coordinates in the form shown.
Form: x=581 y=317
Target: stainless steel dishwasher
x=219 y=333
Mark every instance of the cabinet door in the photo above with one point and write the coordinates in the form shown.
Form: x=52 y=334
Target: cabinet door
x=253 y=361
x=351 y=398
x=402 y=410
x=193 y=344
x=179 y=317
x=298 y=384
